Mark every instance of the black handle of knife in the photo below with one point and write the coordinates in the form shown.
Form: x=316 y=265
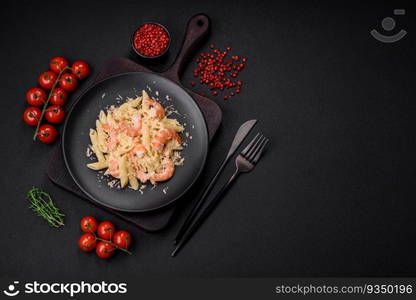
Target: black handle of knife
x=199 y=203
x=204 y=214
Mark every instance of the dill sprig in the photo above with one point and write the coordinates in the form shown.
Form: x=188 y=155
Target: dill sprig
x=41 y=203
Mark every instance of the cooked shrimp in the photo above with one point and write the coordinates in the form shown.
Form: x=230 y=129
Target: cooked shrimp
x=162 y=137
x=137 y=121
x=131 y=131
x=136 y=130
x=139 y=150
x=113 y=168
x=176 y=136
x=112 y=140
x=167 y=173
x=142 y=176
x=112 y=137
x=156 y=108
x=106 y=127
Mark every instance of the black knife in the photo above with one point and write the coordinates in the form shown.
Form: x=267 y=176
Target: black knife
x=238 y=139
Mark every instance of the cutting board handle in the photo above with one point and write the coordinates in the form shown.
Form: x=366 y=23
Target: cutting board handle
x=197 y=30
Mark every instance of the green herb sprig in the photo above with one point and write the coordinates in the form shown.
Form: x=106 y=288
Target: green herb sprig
x=41 y=203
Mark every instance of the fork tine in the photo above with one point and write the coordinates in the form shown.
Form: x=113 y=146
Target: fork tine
x=260 y=152
x=252 y=145
x=247 y=148
x=251 y=153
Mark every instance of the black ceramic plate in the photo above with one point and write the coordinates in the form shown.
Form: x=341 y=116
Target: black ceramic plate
x=114 y=91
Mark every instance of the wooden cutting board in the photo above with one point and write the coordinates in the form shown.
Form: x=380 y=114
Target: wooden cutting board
x=197 y=30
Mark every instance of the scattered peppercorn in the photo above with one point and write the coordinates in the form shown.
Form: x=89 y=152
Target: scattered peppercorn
x=151 y=40
x=218 y=72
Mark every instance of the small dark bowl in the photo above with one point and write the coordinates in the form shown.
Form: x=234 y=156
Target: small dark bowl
x=150 y=57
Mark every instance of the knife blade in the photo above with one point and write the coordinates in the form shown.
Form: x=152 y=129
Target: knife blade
x=239 y=137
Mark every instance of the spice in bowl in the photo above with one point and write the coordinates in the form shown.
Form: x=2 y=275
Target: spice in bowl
x=151 y=40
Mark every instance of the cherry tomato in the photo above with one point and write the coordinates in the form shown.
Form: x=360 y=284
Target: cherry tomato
x=104 y=250
x=57 y=64
x=89 y=224
x=81 y=69
x=31 y=115
x=47 y=79
x=106 y=230
x=47 y=134
x=55 y=114
x=87 y=242
x=36 y=97
x=58 y=97
x=68 y=82
x=122 y=239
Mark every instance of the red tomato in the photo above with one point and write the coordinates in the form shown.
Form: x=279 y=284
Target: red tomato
x=106 y=230
x=122 y=239
x=55 y=114
x=31 y=115
x=47 y=79
x=57 y=64
x=104 y=250
x=87 y=242
x=89 y=224
x=58 y=96
x=36 y=97
x=68 y=82
x=81 y=69
x=47 y=134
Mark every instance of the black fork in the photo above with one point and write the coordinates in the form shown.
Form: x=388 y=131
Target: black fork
x=245 y=162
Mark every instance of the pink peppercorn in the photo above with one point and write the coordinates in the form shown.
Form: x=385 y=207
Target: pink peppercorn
x=151 y=40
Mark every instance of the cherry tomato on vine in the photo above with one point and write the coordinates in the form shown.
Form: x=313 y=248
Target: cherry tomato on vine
x=81 y=69
x=31 y=115
x=47 y=134
x=55 y=114
x=47 y=79
x=57 y=64
x=89 y=224
x=122 y=239
x=58 y=97
x=104 y=250
x=36 y=97
x=106 y=230
x=87 y=242
x=68 y=82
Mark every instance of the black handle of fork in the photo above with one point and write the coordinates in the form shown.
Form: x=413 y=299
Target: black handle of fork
x=205 y=213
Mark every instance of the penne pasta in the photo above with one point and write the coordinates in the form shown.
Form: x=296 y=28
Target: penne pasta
x=95 y=147
x=99 y=165
x=136 y=142
x=123 y=171
x=172 y=124
x=110 y=120
x=101 y=137
x=133 y=182
x=102 y=117
x=135 y=102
